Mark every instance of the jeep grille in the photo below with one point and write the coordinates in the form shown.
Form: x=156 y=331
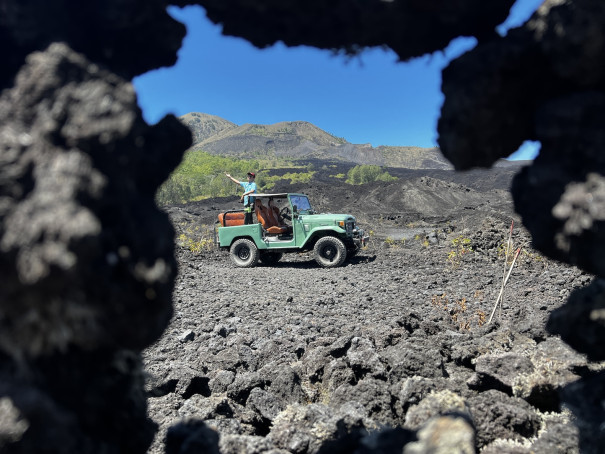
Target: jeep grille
x=349 y=227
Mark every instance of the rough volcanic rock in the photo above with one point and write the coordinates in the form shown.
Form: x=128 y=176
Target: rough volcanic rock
x=585 y=399
x=62 y=187
x=497 y=93
x=450 y=433
x=88 y=266
x=353 y=25
x=499 y=416
x=108 y=33
x=81 y=263
x=397 y=338
x=585 y=307
x=565 y=186
x=543 y=81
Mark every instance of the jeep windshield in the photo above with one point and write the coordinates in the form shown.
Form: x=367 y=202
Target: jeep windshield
x=301 y=204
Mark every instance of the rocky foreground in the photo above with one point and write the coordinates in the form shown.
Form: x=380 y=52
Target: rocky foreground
x=391 y=352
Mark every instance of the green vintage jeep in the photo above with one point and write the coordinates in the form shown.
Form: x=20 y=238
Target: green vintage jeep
x=288 y=223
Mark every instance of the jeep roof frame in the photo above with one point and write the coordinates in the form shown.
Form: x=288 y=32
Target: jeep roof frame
x=279 y=195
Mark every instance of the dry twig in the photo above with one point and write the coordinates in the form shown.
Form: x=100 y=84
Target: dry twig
x=507 y=273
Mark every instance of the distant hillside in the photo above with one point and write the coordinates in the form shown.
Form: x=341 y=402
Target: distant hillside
x=204 y=125
x=300 y=140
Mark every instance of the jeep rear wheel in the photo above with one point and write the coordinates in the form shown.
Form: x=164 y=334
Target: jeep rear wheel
x=330 y=252
x=244 y=253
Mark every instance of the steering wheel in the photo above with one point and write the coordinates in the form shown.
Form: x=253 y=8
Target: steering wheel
x=286 y=213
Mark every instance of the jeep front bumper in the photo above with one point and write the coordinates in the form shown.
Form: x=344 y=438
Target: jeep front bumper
x=360 y=238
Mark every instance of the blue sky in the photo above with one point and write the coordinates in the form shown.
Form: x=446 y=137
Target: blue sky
x=371 y=98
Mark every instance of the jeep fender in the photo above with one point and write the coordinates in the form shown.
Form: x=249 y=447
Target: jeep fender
x=322 y=231
x=259 y=245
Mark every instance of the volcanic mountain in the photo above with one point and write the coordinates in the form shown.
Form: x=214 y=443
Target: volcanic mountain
x=301 y=140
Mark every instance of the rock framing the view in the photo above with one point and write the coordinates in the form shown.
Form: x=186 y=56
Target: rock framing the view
x=87 y=259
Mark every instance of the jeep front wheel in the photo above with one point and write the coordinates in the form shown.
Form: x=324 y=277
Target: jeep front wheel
x=244 y=253
x=330 y=252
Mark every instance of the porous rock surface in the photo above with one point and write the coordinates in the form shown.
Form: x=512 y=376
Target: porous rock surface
x=354 y=25
x=545 y=81
x=370 y=357
x=85 y=255
x=87 y=260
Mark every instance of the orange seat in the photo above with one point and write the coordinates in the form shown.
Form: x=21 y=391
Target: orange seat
x=275 y=218
x=271 y=215
x=231 y=218
x=265 y=217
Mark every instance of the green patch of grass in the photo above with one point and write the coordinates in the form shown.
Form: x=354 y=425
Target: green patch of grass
x=363 y=174
x=196 y=239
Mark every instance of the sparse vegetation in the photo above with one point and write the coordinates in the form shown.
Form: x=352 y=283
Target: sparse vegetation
x=268 y=182
x=458 y=311
x=201 y=175
x=460 y=247
x=392 y=242
x=505 y=253
x=260 y=130
x=389 y=241
x=531 y=256
x=363 y=174
x=196 y=239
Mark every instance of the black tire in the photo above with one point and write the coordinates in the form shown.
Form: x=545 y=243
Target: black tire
x=244 y=253
x=330 y=252
x=270 y=258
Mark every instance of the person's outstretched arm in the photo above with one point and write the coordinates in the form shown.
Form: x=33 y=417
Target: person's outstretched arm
x=232 y=179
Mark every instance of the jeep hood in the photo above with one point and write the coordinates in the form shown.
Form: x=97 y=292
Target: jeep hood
x=326 y=217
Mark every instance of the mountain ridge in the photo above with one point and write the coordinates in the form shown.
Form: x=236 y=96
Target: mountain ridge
x=300 y=140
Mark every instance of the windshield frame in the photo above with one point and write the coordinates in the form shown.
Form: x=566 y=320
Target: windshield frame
x=301 y=202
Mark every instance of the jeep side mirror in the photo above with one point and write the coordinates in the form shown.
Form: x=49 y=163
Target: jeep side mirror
x=294 y=211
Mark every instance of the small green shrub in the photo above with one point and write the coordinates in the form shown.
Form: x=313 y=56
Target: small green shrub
x=196 y=239
x=363 y=174
x=390 y=242
x=461 y=247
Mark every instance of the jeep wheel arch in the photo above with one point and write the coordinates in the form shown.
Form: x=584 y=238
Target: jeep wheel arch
x=244 y=253
x=330 y=252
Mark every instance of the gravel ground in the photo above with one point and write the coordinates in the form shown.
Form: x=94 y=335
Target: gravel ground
x=397 y=336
